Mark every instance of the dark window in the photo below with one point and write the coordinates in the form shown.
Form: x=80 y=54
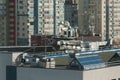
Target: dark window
x=31 y=23
x=23 y=23
x=21 y=7
x=21 y=2
x=18 y=23
x=3 y=33
x=23 y=34
x=18 y=28
x=65 y=32
x=23 y=29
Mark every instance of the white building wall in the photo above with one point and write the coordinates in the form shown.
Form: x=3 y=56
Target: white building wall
x=114 y=19
x=108 y=73
x=45 y=20
x=47 y=74
x=46 y=15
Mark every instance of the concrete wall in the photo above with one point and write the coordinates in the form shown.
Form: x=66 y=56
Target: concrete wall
x=102 y=74
x=5 y=59
x=22 y=73
x=47 y=74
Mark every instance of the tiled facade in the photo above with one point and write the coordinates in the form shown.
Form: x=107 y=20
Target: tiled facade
x=2 y=23
x=25 y=21
x=114 y=17
x=7 y=22
x=71 y=12
x=28 y=17
x=48 y=14
x=92 y=17
x=11 y=22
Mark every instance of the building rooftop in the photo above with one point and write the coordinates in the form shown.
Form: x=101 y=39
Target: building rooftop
x=73 y=61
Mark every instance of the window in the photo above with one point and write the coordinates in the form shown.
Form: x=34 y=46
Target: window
x=23 y=34
x=2 y=33
x=21 y=2
x=23 y=29
x=18 y=23
x=23 y=23
x=18 y=34
x=21 y=7
x=31 y=23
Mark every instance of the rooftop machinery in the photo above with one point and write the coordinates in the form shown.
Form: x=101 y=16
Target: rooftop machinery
x=46 y=61
x=84 y=53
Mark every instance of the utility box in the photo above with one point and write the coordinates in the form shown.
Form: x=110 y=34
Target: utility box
x=47 y=63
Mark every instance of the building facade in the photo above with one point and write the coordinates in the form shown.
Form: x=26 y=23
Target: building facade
x=81 y=66
x=22 y=18
x=18 y=73
x=11 y=24
x=48 y=13
x=17 y=22
x=71 y=12
x=93 y=18
x=3 y=20
x=25 y=21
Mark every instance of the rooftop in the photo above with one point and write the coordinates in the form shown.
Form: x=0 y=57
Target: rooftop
x=74 y=61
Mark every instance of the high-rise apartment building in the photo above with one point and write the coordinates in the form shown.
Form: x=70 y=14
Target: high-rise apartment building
x=48 y=14
x=11 y=23
x=94 y=15
x=17 y=22
x=71 y=12
x=22 y=18
x=3 y=40
x=25 y=21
